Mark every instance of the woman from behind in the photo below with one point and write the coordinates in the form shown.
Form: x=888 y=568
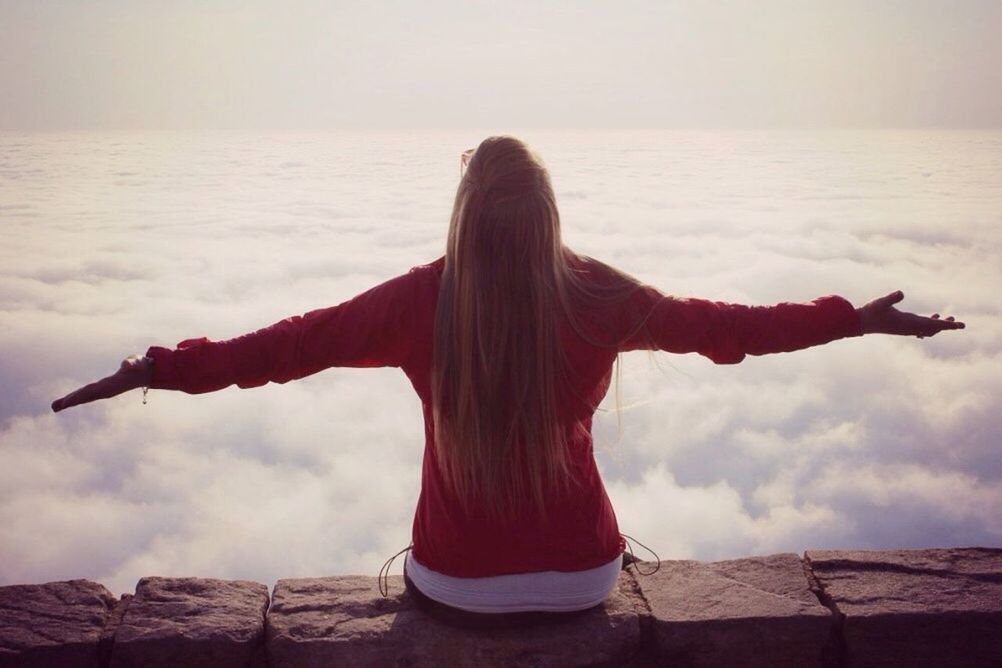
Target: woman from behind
x=513 y=516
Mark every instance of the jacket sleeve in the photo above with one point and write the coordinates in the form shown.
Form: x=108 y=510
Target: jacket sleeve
x=725 y=332
x=368 y=330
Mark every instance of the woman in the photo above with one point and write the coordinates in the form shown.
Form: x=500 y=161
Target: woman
x=509 y=340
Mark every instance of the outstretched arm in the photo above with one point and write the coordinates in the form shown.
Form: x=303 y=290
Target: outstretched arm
x=372 y=329
x=726 y=333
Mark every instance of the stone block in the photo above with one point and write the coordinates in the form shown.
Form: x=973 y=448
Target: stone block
x=54 y=624
x=344 y=621
x=192 y=622
x=757 y=611
x=931 y=607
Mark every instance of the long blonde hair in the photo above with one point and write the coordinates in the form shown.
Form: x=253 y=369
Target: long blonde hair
x=497 y=357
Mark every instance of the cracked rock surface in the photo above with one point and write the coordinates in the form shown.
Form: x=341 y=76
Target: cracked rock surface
x=58 y=623
x=345 y=621
x=758 y=611
x=833 y=608
x=916 y=607
x=192 y=622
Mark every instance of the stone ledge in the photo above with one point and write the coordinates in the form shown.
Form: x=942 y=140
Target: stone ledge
x=931 y=607
x=344 y=620
x=881 y=608
x=192 y=622
x=58 y=623
x=743 y=612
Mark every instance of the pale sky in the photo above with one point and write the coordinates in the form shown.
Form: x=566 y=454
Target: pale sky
x=315 y=64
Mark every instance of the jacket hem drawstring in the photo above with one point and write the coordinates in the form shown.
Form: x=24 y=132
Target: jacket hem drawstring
x=384 y=572
x=632 y=558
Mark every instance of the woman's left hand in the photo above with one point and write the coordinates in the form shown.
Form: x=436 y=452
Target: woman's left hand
x=880 y=317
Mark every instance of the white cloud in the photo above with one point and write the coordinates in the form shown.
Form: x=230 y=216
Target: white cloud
x=874 y=442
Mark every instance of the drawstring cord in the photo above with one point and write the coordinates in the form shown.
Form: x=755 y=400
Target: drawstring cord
x=629 y=540
x=146 y=388
x=384 y=573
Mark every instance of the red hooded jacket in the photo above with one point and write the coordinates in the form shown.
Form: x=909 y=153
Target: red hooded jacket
x=392 y=323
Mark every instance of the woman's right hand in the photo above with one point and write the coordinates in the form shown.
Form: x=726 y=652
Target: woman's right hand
x=880 y=317
x=134 y=372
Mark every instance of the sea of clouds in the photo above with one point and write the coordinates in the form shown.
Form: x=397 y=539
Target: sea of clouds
x=115 y=241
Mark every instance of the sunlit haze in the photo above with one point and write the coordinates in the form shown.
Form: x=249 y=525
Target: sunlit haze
x=312 y=64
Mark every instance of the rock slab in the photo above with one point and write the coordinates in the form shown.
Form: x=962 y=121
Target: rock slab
x=53 y=624
x=345 y=621
x=757 y=611
x=192 y=622
x=933 y=607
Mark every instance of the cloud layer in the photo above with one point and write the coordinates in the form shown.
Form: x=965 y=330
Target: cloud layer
x=116 y=241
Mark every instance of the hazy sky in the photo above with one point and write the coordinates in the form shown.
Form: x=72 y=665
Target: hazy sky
x=307 y=64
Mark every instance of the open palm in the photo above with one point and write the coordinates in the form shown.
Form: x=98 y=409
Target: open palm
x=880 y=317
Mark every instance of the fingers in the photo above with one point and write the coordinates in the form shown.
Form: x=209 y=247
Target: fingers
x=889 y=300
x=71 y=399
x=105 y=388
x=63 y=402
x=85 y=394
x=135 y=371
x=946 y=323
x=934 y=325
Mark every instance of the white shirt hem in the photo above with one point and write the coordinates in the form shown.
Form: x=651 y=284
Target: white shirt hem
x=548 y=591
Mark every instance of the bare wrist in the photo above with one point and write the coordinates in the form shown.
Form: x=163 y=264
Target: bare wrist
x=146 y=367
x=864 y=320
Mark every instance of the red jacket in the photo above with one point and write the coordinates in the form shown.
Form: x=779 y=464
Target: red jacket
x=391 y=324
